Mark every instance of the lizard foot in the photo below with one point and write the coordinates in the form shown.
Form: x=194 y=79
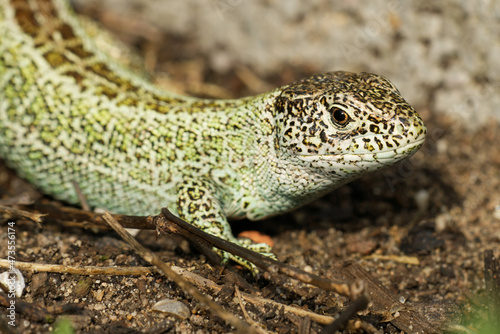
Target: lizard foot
x=261 y=248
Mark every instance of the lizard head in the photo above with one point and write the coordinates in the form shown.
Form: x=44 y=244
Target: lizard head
x=341 y=125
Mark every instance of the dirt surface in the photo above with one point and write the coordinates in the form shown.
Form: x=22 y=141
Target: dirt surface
x=420 y=228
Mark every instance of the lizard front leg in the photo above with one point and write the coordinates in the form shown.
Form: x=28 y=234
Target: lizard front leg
x=199 y=204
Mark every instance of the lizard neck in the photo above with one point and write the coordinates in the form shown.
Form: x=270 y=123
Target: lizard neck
x=276 y=181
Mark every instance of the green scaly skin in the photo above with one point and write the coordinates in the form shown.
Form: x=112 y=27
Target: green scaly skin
x=69 y=113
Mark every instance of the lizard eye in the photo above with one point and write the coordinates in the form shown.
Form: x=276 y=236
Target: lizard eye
x=339 y=116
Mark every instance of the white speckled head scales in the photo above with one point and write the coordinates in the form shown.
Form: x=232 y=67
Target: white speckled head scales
x=347 y=122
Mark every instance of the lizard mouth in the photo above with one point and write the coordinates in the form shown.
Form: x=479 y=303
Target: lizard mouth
x=388 y=155
x=404 y=151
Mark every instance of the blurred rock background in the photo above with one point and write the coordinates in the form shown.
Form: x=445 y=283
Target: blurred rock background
x=444 y=56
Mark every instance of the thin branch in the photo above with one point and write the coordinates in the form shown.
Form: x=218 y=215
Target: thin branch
x=245 y=313
x=358 y=305
x=69 y=216
x=81 y=197
x=74 y=270
x=13 y=214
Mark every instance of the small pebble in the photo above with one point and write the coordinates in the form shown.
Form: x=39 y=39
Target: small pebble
x=13 y=277
x=38 y=281
x=496 y=214
x=83 y=287
x=422 y=200
x=172 y=307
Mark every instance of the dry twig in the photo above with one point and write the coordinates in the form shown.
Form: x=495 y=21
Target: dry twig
x=74 y=270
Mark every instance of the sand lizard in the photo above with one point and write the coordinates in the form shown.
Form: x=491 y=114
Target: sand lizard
x=70 y=113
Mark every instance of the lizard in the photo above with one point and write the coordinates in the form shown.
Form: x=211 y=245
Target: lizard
x=69 y=113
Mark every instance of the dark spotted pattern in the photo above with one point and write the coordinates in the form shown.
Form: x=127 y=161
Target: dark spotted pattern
x=379 y=129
